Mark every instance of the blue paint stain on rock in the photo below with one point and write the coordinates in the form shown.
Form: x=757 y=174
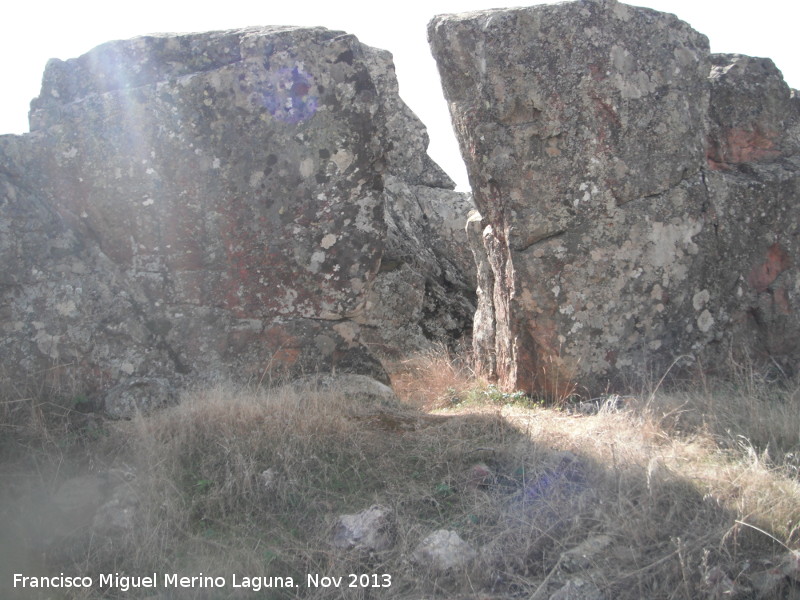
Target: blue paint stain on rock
x=288 y=98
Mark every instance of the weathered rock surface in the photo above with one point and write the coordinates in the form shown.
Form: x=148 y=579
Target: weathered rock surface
x=425 y=287
x=227 y=204
x=633 y=209
x=750 y=112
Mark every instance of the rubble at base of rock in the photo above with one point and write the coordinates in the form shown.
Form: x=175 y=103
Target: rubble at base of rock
x=372 y=529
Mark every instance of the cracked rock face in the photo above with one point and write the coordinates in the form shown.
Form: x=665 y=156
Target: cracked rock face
x=636 y=194
x=217 y=205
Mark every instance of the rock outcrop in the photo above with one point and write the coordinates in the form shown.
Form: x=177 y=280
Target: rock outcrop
x=637 y=195
x=227 y=204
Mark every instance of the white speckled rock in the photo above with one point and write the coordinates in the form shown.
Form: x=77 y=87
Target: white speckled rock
x=372 y=529
x=578 y=589
x=218 y=205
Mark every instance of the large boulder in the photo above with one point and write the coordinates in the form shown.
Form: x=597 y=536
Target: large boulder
x=753 y=181
x=219 y=205
x=425 y=287
x=632 y=209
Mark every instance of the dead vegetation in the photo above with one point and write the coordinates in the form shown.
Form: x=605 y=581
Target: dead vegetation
x=696 y=491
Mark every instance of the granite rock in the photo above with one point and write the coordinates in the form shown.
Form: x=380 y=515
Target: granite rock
x=219 y=205
x=636 y=195
x=372 y=530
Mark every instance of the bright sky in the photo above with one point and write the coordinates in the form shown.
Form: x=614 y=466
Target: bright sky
x=33 y=32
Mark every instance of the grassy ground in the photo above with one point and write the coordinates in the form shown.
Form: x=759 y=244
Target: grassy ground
x=692 y=487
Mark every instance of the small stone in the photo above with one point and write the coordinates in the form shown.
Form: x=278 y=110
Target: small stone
x=372 y=529
x=718 y=584
x=350 y=385
x=578 y=589
x=268 y=479
x=118 y=514
x=791 y=565
x=444 y=550
x=767 y=584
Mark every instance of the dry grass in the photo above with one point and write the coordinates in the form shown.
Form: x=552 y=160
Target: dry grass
x=432 y=379
x=682 y=483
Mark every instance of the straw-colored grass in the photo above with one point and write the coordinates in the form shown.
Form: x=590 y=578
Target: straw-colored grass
x=683 y=483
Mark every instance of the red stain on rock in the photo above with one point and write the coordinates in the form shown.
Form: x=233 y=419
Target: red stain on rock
x=285 y=348
x=286 y=357
x=749 y=146
x=740 y=145
x=781 y=301
x=713 y=163
x=777 y=261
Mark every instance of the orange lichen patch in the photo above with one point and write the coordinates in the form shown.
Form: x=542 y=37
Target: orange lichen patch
x=286 y=348
x=777 y=261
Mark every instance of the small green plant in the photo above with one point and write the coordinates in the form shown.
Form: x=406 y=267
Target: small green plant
x=80 y=401
x=444 y=490
x=203 y=485
x=491 y=394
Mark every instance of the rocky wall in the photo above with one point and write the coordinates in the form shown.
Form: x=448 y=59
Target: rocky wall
x=222 y=205
x=637 y=195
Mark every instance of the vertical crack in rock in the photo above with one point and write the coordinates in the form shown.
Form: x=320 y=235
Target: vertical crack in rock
x=624 y=177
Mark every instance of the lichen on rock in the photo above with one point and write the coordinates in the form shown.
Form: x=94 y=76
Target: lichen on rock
x=216 y=205
x=620 y=170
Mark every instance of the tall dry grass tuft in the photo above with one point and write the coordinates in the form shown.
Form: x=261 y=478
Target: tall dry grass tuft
x=430 y=379
x=748 y=413
x=203 y=465
x=205 y=505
